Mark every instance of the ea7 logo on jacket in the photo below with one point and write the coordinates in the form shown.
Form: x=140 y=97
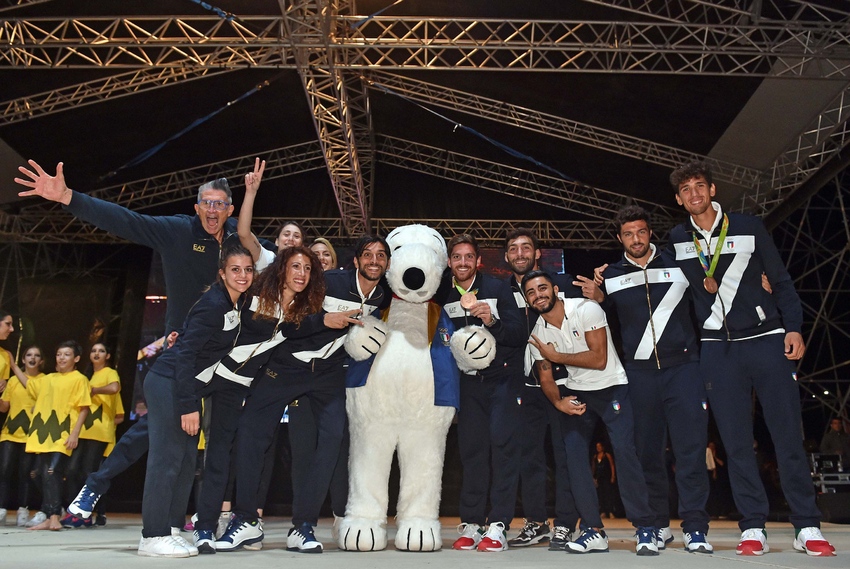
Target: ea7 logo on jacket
x=199 y=248
x=625 y=281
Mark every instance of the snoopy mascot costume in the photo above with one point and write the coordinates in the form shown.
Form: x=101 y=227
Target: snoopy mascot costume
x=403 y=391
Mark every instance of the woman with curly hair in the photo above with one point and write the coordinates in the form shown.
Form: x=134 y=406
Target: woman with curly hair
x=284 y=302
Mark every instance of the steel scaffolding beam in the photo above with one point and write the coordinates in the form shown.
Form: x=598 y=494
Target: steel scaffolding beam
x=581 y=199
x=555 y=126
x=311 y=25
x=727 y=11
x=99 y=90
x=183 y=184
x=804 y=49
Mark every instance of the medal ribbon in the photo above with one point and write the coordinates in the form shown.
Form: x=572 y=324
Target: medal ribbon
x=709 y=269
x=460 y=288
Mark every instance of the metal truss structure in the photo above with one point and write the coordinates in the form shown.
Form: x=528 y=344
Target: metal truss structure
x=310 y=26
x=341 y=57
x=768 y=48
x=816 y=242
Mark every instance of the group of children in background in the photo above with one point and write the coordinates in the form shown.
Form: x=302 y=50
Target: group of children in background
x=58 y=428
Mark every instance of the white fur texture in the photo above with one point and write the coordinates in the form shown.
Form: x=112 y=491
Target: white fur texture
x=473 y=347
x=361 y=342
x=395 y=412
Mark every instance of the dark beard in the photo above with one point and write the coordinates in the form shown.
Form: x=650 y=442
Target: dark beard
x=548 y=308
x=363 y=274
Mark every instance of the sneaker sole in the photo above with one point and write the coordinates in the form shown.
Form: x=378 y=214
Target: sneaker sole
x=172 y=555
x=571 y=550
x=699 y=549
x=298 y=550
x=206 y=548
x=227 y=547
x=645 y=552
x=810 y=553
x=465 y=547
x=537 y=540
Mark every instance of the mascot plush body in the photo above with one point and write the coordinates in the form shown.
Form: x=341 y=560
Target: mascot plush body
x=405 y=399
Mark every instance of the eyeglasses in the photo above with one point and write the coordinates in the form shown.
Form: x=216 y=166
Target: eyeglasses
x=215 y=205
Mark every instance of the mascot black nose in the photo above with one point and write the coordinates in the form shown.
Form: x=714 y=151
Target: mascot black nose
x=413 y=278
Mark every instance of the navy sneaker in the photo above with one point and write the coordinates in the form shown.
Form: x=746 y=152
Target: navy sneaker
x=83 y=505
x=204 y=540
x=303 y=540
x=239 y=533
x=72 y=521
x=696 y=542
x=646 y=544
x=589 y=541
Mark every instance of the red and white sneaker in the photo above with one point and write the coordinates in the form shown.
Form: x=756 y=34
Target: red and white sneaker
x=470 y=536
x=811 y=541
x=494 y=539
x=753 y=542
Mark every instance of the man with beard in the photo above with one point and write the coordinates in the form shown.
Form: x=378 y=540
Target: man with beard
x=489 y=411
x=311 y=367
x=750 y=340
x=650 y=296
x=573 y=332
x=522 y=254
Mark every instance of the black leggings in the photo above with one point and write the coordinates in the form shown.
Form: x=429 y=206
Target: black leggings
x=50 y=469
x=12 y=454
x=83 y=461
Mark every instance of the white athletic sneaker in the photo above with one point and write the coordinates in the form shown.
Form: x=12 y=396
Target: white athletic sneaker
x=696 y=542
x=258 y=545
x=23 y=516
x=663 y=536
x=37 y=518
x=753 y=542
x=3 y=516
x=811 y=541
x=470 y=536
x=494 y=539
x=162 y=546
x=223 y=521
x=175 y=533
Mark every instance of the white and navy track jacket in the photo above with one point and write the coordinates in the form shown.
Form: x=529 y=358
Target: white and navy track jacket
x=653 y=307
x=323 y=350
x=741 y=308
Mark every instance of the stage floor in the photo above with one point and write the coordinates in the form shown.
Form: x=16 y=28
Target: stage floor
x=115 y=546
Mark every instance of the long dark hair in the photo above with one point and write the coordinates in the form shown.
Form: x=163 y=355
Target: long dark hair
x=268 y=287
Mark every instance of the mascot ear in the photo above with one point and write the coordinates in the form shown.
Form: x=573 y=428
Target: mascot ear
x=473 y=347
x=363 y=342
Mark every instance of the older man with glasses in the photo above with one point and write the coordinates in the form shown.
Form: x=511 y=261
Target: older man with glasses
x=189 y=247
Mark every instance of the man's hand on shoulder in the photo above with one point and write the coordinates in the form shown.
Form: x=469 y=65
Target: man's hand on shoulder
x=52 y=188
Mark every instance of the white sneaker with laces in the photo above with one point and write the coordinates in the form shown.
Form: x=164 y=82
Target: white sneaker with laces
x=175 y=533
x=753 y=542
x=494 y=539
x=811 y=541
x=470 y=536
x=23 y=516
x=162 y=546
x=662 y=537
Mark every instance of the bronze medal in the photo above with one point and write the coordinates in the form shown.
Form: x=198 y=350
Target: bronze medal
x=468 y=300
x=710 y=284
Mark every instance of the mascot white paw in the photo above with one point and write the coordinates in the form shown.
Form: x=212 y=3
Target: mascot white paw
x=358 y=534
x=363 y=342
x=418 y=535
x=473 y=347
